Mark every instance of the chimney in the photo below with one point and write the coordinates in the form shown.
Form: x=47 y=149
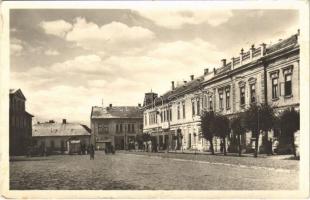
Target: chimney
x=298 y=32
x=139 y=104
x=64 y=121
x=172 y=85
x=223 y=62
x=110 y=105
x=206 y=71
x=214 y=71
x=192 y=77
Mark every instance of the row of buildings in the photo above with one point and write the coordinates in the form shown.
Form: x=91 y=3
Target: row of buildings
x=262 y=74
x=44 y=138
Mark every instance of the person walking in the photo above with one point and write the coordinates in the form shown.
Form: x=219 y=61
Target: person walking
x=92 y=152
x=222 y=146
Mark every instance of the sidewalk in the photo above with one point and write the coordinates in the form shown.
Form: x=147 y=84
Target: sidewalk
x=275 y=162
x=192 y=152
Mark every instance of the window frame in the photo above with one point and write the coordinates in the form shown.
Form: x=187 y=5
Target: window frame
x=242 y=95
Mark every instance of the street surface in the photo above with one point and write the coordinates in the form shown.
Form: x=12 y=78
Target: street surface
x=147 y=171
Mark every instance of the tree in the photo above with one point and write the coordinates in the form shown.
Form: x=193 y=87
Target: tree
x=289 y=123
x=207 y=127
x=221 y=128
x=258 y=118
x=238 y=129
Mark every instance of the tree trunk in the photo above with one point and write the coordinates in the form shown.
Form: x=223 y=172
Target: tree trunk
x=239 y=144
x=256 y=144
x=293 y=145
x=224 y=141
x=211 y=146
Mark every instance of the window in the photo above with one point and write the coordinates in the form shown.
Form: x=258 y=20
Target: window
x=145 y=119
x=164 y=115
x=170 y=111
x=221 y=100
x=178 y=111
x=193 y=107
x=121 y=128
x=105 y=130
x=183 y=109
x=198 y=107
x=210 y=103
x=252 y=92
x=288 y=85
x=242 y=95
x=116 y=128
x=227 y=98
x=161 y=116
x=129 y=129
x=132 y=128
x=275 y=88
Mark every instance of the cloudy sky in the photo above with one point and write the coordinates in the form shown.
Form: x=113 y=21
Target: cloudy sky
x=66 y=61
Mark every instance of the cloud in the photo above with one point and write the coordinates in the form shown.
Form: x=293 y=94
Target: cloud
x=16 y=46
x=57 y=28
x=51 y=52
x=175 y=19
x=96 y=83
x=112 y=36
x=16 y=49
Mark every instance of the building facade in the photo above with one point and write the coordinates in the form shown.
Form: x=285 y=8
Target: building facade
x=67 y=138
x=20 y=123
x=115 y=126
x=261 y=74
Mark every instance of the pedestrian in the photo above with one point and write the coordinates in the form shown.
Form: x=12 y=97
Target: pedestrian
x=222 y=146
x=92 y=152
x=270 y=147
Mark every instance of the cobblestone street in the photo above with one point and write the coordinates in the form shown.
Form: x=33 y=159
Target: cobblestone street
x=152 y=171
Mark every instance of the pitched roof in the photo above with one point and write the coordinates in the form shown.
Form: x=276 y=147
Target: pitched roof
x=179 y=90
x=293 y=40
x=116 y=112
x=18 y=92
x=59 y=129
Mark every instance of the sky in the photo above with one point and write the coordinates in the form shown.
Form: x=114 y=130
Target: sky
x=66 y=61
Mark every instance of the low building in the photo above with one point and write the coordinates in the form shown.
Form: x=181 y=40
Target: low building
x=62 y=137
x=20 y=123
x=115 y=125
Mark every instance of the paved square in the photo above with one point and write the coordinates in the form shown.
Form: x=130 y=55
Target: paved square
x=152 y=171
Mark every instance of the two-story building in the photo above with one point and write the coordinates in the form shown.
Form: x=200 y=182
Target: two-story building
x=261 y=74
x=20 y=123
x=115 y=125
